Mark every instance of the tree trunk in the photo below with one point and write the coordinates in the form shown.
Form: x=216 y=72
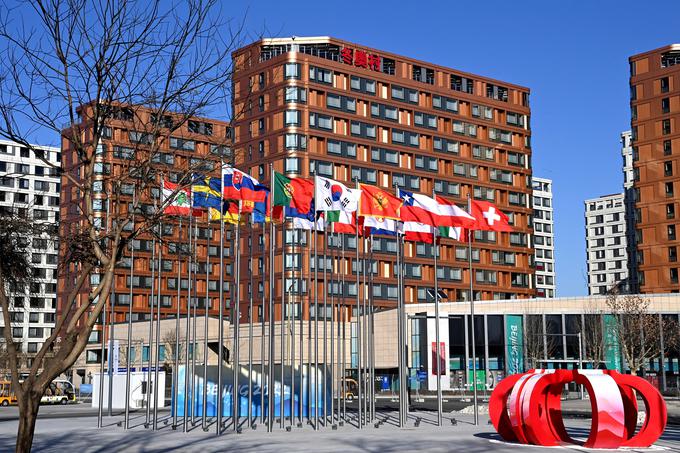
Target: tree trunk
x=28 y=414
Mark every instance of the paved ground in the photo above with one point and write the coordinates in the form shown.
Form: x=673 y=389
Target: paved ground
x=78 y=433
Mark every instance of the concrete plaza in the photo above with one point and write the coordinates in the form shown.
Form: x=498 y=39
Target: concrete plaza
x=57 y=432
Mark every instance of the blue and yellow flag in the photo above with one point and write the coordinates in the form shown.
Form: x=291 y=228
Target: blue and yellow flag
x=230 y=214
x=206 y=193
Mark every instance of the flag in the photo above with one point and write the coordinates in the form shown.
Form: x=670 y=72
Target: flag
x=452 y=215
x=206 y=192
x=242 y=186
x=345 y=222
x=420 y=208
x=452 y=233
x=177 y=200
x=305 y=221
x=376 y=202
x=260 y=212
x=378 y=225
x=418 y=232
x=331 y=195
x=230 y=213
x=296 y=193
x=489 y=217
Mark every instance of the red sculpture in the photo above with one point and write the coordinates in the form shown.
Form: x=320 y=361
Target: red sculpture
x=526 y=408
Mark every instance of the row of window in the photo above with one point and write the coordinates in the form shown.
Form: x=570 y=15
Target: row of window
x=418 y=73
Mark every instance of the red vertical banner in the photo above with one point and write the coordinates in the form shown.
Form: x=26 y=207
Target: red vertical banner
x=442 y=358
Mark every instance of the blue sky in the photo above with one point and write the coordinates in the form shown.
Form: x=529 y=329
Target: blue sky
x=572 y=55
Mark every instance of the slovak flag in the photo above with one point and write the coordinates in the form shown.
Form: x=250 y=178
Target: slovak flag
x=242 y=186
x=489 y=217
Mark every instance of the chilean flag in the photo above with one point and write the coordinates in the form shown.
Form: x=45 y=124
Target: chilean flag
x=242 y=186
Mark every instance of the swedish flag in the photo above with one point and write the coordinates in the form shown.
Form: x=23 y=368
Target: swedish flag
x=206 y=192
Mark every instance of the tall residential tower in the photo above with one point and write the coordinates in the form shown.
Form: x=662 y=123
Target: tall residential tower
x=544 y=237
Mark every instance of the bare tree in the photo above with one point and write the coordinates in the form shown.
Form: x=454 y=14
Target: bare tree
x=638 y=331
x=169 y=340
x=533 y=340
x=86 y=64
x=593 y=337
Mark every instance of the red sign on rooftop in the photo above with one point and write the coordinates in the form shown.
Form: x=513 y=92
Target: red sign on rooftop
x=360 y=58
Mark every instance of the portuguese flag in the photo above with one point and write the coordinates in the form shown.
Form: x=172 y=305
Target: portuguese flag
x=296 y=193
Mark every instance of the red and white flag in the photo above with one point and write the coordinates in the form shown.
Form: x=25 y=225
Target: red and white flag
x=177 y=202
x=489 y=217
x=452 y=215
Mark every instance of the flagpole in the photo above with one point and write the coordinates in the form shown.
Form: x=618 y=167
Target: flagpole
x=358 y=321
x=364 y=346
x=298 y=236
x=272 y=383
x=100 y=412
x=185 y=420
x=220 y=327
x=149 y=384
x=112 y=319
x=400 y=345
x=194 y=303
x=158 y=327
x=206 y=307
x=129 y=326
x=316 y=329
x=325 y=327
x=332 y=236
x=282 y=347
x=309 y=321
x=371 y=344
x=262 y=328
x=435 y=253
x=472 y=316
x=250 y=325
x=236 y=324
x=404 y=340
x=291 y=302
x=343 y=381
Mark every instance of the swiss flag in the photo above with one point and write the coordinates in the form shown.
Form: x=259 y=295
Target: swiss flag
x=489 y=217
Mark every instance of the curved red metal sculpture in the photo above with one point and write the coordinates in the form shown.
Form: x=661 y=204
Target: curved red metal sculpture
x=526 y=408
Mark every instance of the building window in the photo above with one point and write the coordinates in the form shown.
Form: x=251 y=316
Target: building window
x=666 y=126
x=670 y=211
x=362 y=85
x=404 y=94
x=318 y=121
x=672 y=254
x=463 y=84
x=296 y=94
x=665 y=105
x=292 y=70
x=669 y=189
x=292 y=118
x=361 y=129
x=665 y=85
x=444 y=103
x=674 y=275
x=667 y=148
x=421 y=74
x=668 y=168
x=296 y=141
x=385 y=112
x=344 y=103
x=496 y=92
x=671 y=232
x=320 y=75
x=292 y=165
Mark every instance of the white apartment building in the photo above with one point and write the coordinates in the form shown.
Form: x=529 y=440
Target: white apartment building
x=30 y=186
x=629 y=204
x=606 y=244
x=544 y=239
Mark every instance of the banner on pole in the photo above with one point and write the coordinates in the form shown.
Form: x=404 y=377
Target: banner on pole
x=612 y=351
x=514 y=344
x=116 y=355
x=443 y=369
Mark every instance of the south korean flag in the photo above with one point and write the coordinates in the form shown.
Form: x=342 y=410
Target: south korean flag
x=332 y=195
